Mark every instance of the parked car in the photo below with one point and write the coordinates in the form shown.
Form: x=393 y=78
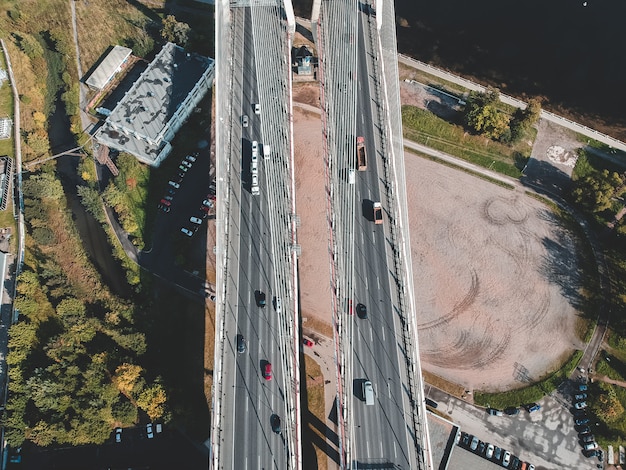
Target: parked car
x=267 y=371
x=582 y=388
x=474 y=444
x=186 y=231
x=244 y=120
x=481 y=447
x=494 y=412
x=207 y=203
x=580 y=396
x=530 y=407
x=581 y=421
x=118 y=434
x=166 y=202
x=257 y=108
x=590 y=452
x=277 y=305
x=580 y=413
x=587 y=438
x=169 y=198
x=584 y=430
x=307 y=342
x=465 y=439
x=190 y=158
x=195 y=220
x=511 y=410
x=515 y=463
x=149 y=431
x=173 y=184
x=506 y=459
x=580 y=405
x=186 y=163
x=490 y=449
x=164 y=208
x=497 y=454
x=183 y=168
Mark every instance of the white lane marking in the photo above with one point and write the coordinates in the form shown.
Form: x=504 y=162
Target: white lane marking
x=378 y=282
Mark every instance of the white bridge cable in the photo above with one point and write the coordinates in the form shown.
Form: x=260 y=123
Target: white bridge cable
x=272 y=45
x=391 y=145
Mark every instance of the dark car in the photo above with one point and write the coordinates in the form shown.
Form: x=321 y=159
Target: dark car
x=260 y=298
x=465 y=439
x=516 y=463
x=276 y=424
x=580 y=414
x=241 y=344
x=511 y=410
x=587 y=438
x=590 y=453
x=481 y=447
x=361 y=311
x=497 y=454
x=431 y=403
x=584 y=430
x=494 y=412
x=581 y=421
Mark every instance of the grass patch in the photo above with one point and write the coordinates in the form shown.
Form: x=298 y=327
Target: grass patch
x=314 y=440
x=423 y=127
x=532 y=393
x=443 y=384
x=318 y=326
x=460 y=168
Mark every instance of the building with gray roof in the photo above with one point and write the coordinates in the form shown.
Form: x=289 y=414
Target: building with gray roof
x=110 y=65
x=145 y=121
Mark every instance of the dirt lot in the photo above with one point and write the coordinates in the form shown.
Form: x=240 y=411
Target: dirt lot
x=493 y=269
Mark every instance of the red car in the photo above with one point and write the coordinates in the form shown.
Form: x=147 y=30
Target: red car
x=307 y=342
x=165 y=202
x=267 y=371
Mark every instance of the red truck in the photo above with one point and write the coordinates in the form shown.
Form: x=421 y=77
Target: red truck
x=361 y=156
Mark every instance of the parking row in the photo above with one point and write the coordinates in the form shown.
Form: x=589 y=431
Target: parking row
x=581 y=422
x=492 y=453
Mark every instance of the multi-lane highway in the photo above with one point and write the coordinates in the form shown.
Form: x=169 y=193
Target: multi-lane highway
x=379 y=431
x=256 y=420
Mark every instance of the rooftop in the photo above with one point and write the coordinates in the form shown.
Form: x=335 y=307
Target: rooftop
x=107 y=68
x=139 y=121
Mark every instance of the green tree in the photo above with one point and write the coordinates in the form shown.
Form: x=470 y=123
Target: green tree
x=38 y=142
x=175 y=31
x=90 y=198
x=153 y=400
x=597 y=191
x=483 y=116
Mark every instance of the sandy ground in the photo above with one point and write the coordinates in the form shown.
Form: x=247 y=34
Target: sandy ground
x=495 y=273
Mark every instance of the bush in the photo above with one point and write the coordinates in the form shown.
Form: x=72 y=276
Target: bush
x=43 y=236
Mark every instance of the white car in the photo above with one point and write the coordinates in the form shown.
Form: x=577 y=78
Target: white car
x=489 y=452
x=255 y=180
x=118 y=435
x=244 y=120
x=186 y=163
x=174 y=184
x=149 y=432
x=257 y=108
x=195 y=220
x=190 y=158
x=580 y=405
x=186 y=231
x=279 y=307
x=254 y=167
x=506 y=459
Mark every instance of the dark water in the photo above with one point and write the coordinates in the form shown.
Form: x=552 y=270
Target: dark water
x=571 y=55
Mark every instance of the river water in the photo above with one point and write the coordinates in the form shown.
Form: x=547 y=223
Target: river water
x=570 y=52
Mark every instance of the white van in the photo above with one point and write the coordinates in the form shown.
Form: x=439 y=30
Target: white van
x=368 y=393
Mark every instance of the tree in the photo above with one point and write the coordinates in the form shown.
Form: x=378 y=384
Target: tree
x=482 y=115
x=175 y=31
x=128 y=379
x=597 y=191
x=152 y=400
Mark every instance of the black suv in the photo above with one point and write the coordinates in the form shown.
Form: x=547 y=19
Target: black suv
x=260 y=298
